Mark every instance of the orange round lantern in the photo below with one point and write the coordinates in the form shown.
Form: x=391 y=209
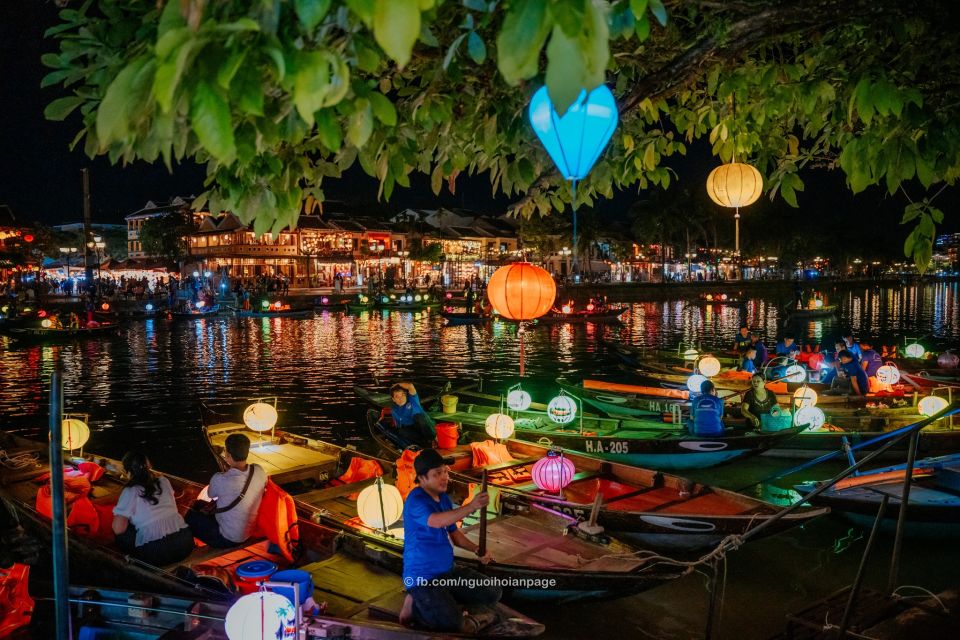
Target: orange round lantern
x=521 y=291
x=734 y=185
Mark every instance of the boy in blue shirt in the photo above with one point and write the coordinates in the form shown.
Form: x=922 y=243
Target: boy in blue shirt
x=870 y=360
x=429 y=533
x=858 y=377
x=748 y=360
x=742 y=339
x=788 y=348
x=412 y=423
x=707 y=411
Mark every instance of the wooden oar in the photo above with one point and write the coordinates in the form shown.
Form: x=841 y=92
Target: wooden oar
x=482 y=546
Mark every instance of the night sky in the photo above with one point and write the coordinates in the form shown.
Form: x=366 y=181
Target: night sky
x=41 y=177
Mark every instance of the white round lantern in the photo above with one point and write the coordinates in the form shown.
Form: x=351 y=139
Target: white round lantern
x=691 y=355
x=260 y=416
x=368 y=505
x=261 y=616
x=795 y=373
x=804 y=397
x=915 y=350
x=499 y=426
x=888 y=374
x=519 y=400
x=812 y=417
x=75 y=433
x=709 y=366
x=932 y=405
x=562 y=409
x=694 y=382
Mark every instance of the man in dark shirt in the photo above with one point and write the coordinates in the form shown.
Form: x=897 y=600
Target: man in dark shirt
x=858 y=377
x=762 y=356
x=870 y=360
x=742 y=340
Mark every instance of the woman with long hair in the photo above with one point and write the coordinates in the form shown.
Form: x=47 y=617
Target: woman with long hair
x=146 y=521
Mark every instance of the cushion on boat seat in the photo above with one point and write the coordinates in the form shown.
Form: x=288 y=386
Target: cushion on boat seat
x=359 y=469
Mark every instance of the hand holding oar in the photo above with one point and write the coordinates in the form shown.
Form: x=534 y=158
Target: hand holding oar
x=482 y=547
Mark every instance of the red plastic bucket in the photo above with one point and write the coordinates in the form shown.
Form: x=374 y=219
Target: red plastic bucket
x=447 y=435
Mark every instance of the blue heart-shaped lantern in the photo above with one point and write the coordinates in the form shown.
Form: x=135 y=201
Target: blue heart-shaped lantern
x=576 y=140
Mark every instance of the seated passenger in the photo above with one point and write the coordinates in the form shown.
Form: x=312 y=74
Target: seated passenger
x=146 y=521
x=858 y=377
x=237 y=492
x=748 y=361
x=870 y=360
x=707 y=411
x=413 y=425
x=758 y=401
x=788 y=347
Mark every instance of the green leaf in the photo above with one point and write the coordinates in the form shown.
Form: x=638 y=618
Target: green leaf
x=643 y=29
x=383 y=109
x=311 y=12
x=476 y=48
x=521 y=38
x=328 y=130
x=60 y=108
x=396 y=26
x=210 y=121
x=925 y=171
x=113 y=113
x=363 y=8
x=937 y=215
x=908 y=244
x=168 y=76
x=639 y=8
x=436 y=180
x=658 y=10
x=311 y=83
x=247 y=90
x=864 y=100
x=577 y=64
x=452 y=51
x=789 y=195
x=361 y=123
x=228 y=70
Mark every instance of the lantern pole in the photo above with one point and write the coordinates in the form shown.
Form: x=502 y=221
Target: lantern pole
x=482 y=543
x=573 y=202
x=383 y=513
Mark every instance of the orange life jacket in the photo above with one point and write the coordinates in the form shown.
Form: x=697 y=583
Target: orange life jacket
x=359 y=469
x=406 y=474
x=489 y=452
x=277 y=519
x=16 y=605
x=82 y=516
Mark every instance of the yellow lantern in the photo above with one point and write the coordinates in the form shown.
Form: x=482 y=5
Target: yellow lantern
x=932 y=405
x=804 y=397
x=46 y=323
x=380 y=505
x=709 y=366
x=260 y=416
x=734 y=185
x=691 y=354
x=499 y=426
x=75 y=433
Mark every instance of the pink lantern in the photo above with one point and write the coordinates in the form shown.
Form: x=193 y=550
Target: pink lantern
x=948 y=360
x=553 y=472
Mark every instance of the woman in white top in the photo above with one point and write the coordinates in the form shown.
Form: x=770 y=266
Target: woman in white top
x=146 y=521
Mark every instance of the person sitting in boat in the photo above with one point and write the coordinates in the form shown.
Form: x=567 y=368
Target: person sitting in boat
x=237 y=492
x=859 y=385
x=742 y=340
x=758 y=401
x=851 y=345
x=146 y=521
x=788 y=347
x=412 y=423
x=429 y=534
x=707 y=410
x=748 y=360
x=870 y=360
x=762 y=355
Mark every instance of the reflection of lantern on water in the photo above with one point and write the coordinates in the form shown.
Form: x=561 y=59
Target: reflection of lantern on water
x=75 y=433
x=709 y=366
x=915 y=350
x=562 y=409
x=811 y=417
x=931 y=405
x=380 y=505
x=499 y=426
x=695 y=382
x=553 y=472
x=888 y=374
x=260 y=616
x=804 y=397
x=519 y=400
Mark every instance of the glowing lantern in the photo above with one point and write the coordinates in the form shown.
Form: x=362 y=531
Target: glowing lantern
x=28 y=237
x=261 y=615
x=276 y=305
x=932 y=405
x=590 y=307
x=41 y=314
x=380 y=505
x=324 y=300
x=519 y=400
x=499 y=426
x=260 y=416
x=691 y=354
x=795 y=373
x=566 y=308
x=448 y=296
x=385 y=299
x=709 y=366
x=888 y=374
x=818 y=304
x=196 y=274
x=553 y=472
x=812 y=417
x=149 y=307
x=816 y=361
x=948 y=360
x=418 y=297
x=695 y=382
x=915 y=350
x=75 y=433
x=364 y=299
x=723 y=296
x=393 y=296
x=521 y=291
x=804 y=397
x=562 y=409
x=709 y=297
x=201 y=304
x=46 y=323
x=265 y=305
x=105 y=306
x=734 y=185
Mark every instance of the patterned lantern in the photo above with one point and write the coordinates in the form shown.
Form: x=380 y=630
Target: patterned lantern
x=915 y=350
x=261 y=616
x=75 y=433
x=562 y=409
x=709 y=366
x=521 y=291
x=695 y=382
x=519 y=400
x=795 y=373
x=260 y=416
x=804 y=397
x=380 y=505
x=499 y=426
x=734 y=185
x=553 y=472
x=932 y=405
x=948 y=360
x=811 y=417
x=888 y=374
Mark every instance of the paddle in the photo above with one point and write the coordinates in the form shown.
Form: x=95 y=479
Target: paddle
x=482 y=545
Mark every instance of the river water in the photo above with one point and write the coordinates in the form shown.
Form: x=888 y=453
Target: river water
x=144 y=389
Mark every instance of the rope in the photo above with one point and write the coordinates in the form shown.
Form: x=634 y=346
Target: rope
x=926 y=591
x=827 y=626
x=20 y=460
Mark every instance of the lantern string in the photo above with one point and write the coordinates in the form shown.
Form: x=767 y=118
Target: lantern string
x=522 y=351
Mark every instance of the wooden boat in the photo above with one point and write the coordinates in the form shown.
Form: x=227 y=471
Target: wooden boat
x=641 y=505
x=793 y=313
x=459 y=318
x=580 y=317
x=282 y=313
x=934 y=507
x=634 y=355
x=526 y=545
x=361 y=595
x=26 y=333
x=203 y=312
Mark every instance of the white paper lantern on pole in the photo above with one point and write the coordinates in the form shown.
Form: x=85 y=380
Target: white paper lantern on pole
x=709 y=366
x=75 y=433
x=804 y=397
x=695 y=382
x=691 y=355
x=263 y=615
x=796 y=373
x=915 y=350
x=811 y=417
x=499 y=426
x=562 y=409
x=888 y=374
x=260 y=416
x=932 y=405
x=519 y=400
x=369 y=506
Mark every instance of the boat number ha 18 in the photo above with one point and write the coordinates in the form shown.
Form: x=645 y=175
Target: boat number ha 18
x=614 y=446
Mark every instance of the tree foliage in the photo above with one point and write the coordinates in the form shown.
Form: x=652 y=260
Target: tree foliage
x=277 y=95
x=165 y=236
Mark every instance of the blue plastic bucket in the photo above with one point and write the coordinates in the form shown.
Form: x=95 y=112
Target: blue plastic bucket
x=301 y=578
x=250 y=573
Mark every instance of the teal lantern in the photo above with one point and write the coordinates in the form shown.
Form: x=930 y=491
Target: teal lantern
x=577 y=139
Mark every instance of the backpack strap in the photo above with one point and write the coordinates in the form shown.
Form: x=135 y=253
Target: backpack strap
x=243 y=492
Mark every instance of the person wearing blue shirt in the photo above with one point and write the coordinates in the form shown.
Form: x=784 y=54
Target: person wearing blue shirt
x=748 y=360
x=413 y=425
x=870 y=360
x=851 y=345
x=707 y=411
x=788 y=347
x=429 y=534
x=762 y=355
x=742 y=340
x=858 y=377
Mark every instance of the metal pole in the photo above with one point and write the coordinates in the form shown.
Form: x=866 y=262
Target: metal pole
x=573 y=201
x=902 y=515
x=87 y=231
x=482 y=543
x=61 y=572
x=855 y=588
